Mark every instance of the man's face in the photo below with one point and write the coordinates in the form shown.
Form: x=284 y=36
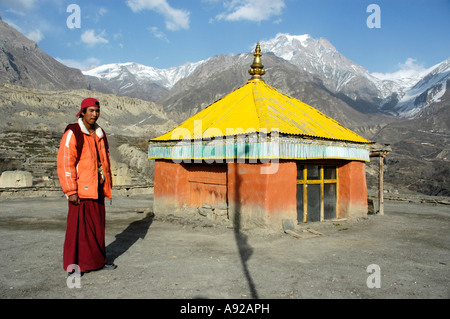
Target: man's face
x=92 y=114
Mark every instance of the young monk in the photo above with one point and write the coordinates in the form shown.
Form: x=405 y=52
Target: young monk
x=84 y=173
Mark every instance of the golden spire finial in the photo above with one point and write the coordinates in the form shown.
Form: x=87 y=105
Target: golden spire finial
x=257 y=69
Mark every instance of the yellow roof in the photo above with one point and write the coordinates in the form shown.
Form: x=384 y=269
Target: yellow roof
x=258 y=107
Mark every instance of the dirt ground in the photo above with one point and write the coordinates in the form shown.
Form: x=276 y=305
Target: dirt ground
x=175 y=257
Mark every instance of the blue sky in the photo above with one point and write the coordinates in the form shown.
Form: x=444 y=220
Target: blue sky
x=166 y=33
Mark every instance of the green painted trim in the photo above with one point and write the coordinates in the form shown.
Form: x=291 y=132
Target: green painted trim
x=265 y=150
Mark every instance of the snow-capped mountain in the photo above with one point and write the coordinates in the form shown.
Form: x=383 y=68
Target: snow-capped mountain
x=316 y=56
x=404 y=96
x=163 y=77
x=425 y=92
x=137 y=80
x=320 y=57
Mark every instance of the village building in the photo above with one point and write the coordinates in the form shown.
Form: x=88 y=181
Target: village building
x=261 y=157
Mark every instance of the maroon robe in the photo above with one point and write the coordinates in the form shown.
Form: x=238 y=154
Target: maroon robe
x=85 y=235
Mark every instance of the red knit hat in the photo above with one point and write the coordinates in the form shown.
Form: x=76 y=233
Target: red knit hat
x=87 y=103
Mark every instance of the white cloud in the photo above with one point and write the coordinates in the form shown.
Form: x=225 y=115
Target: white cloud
x=26 y=5
x=409 y=69
x=89 y=63
x=99 y=14
x=102 y=11
x=175 y=18
x=251 y=10
x=158 y=34
x=411 y=64
x=118 y=35
x=90 y=38
x=35 y=35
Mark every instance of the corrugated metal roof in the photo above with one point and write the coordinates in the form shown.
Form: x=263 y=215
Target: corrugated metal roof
x=265 y=149
x=258 y=107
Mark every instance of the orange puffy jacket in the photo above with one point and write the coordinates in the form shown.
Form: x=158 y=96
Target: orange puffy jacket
x=82 y=179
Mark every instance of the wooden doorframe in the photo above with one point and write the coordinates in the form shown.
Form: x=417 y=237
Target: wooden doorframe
x=322 y=181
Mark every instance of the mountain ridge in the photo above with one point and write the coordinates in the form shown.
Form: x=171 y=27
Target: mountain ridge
x=24 y=63
x=419 y=161
x=163 y=77
x=341 y=76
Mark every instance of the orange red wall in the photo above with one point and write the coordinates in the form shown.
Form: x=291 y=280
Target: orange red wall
x=352 y=190
x=171 y=187
x=262 y=199
x=207 y=184
x=252 y=197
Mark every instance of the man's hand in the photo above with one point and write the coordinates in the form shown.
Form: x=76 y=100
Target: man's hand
x=74 y=199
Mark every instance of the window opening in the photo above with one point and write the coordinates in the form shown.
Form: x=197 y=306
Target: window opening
x=316 y=192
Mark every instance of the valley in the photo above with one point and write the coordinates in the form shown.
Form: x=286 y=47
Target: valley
x=39 y=97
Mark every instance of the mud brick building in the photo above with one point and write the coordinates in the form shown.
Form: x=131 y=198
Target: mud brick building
x=263 y=155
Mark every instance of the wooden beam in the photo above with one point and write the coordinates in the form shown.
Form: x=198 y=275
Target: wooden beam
x=380 y=186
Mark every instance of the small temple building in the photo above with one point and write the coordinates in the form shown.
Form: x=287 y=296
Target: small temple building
x=264 y=156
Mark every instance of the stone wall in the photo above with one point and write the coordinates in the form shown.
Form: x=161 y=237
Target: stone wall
x=16 y=179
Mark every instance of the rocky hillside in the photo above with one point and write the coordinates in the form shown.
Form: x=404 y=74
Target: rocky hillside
x=34 y=120
x=24 y=108
x=402 y=96
x=23 y=63
x=420 y=158
x=36 y=110
x=222 y=74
